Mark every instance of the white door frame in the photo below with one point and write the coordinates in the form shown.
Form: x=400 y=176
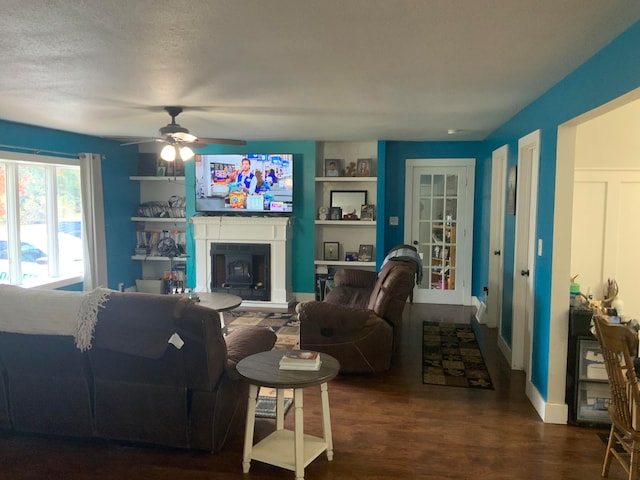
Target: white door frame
x=465 y=221
x=496 y=236
x=525 y=251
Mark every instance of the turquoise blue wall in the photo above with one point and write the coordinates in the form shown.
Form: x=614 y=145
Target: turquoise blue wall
x=612 y=72
x=396 y=155
x=120 y=194
x=303 y=227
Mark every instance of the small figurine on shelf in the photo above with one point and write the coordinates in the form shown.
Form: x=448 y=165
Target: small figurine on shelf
x=350 y=171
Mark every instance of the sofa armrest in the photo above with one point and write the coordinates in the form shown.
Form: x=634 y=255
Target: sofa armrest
x=244 y=341
x=328 y=319
x=352 y=277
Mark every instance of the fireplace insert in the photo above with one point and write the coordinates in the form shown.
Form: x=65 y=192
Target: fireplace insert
x=242 y=269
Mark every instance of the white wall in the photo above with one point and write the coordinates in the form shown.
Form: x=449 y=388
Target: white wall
x=606 y=217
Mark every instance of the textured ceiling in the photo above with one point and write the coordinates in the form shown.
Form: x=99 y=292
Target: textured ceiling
x=293 y=69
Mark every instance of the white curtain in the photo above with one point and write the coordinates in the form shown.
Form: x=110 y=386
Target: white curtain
x=95 y=250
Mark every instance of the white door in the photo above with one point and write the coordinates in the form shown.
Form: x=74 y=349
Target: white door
x=525 y=251
x=496 y=236
x=438 y=222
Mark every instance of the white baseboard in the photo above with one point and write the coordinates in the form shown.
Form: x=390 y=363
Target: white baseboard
x=481 y=309
x=557 y=413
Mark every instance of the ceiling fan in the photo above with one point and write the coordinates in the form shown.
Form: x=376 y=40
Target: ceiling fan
x=179 y=142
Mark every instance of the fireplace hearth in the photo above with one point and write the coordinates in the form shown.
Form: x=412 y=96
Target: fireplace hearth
x=241 y=269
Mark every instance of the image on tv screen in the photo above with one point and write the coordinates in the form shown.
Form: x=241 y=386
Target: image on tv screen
x=244 y=183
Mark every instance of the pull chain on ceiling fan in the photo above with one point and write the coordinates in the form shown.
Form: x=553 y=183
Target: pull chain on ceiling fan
x=179 y=142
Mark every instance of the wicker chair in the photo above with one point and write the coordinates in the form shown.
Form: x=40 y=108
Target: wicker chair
x=619 y=345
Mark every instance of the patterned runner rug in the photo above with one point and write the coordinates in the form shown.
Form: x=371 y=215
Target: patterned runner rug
x=451 y=356
x=287 y=329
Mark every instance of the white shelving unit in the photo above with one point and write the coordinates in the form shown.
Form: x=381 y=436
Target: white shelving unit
x=156 y=188
x=349 y=234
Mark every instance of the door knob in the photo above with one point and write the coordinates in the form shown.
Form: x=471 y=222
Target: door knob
x=524 y=273
x=496 y=252
x=415 y=242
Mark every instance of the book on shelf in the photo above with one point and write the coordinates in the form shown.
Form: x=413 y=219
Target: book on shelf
x=300 y=360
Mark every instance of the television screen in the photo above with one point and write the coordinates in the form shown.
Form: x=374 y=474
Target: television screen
x=236 y=184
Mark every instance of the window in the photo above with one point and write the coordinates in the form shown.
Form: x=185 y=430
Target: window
x=40 y=220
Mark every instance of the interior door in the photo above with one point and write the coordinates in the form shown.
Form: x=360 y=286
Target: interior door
x=439 y=216
x=496 y=236
x=525 y=251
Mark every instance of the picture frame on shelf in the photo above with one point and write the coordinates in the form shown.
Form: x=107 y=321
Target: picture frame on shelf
x=348 y=200
x=333 y=167
x=160 y=171
x=331 y=251
x=351 y=257
x=364 y=167
x=368 y=212
x=335 y=213
x=365 y=253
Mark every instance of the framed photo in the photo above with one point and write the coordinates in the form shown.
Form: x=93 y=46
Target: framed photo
x=367 y=212
x=364 y=167
x=511 y=190
x=365 y=253
x=348 y=200
x=335 y=213
x=351 y=257
x=160 y=171
x=331 y=250
x=333 y=167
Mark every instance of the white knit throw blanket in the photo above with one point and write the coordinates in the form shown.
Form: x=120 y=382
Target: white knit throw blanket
x=51 y=312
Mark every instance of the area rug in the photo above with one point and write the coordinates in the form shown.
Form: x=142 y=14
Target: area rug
x=451 y=356
x=287 y=329
x=285 y=325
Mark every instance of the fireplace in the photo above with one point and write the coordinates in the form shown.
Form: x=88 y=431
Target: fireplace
x=273 y=234
x=242 y=269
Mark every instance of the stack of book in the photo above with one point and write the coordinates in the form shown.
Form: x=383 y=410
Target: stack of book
x=300 y=360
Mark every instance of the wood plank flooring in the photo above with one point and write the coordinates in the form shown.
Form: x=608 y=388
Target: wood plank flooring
x=387 y=426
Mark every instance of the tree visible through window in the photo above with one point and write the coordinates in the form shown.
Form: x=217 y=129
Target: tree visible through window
x=40 y=220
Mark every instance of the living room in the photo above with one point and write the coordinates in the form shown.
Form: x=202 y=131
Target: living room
x=611 y=73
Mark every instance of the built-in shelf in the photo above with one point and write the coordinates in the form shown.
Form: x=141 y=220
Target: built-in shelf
x=157 y=179
x=346 y=179
x=158 y=258
x=182 y=220
x=354 y=264
x=344 y=223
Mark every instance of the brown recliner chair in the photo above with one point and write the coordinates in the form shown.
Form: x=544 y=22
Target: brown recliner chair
x=359 y=321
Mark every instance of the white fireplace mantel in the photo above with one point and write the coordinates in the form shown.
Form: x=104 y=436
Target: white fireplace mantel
x=275 y=231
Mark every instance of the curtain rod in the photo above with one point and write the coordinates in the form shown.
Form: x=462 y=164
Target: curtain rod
x=40 y=151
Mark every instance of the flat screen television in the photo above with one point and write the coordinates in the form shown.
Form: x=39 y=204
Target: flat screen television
x=244 y=184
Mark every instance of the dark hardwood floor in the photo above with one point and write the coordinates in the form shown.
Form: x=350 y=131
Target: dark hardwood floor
x=387 y=426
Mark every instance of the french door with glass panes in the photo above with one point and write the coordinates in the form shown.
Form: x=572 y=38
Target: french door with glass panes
x=438 y=222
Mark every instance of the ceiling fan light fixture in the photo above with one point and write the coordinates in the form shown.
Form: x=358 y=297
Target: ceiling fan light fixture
x=186 y=153
x=168 y=153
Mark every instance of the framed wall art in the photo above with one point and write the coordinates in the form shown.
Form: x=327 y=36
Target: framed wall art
x=331 y=251
x=365 y=253
x=333 y=167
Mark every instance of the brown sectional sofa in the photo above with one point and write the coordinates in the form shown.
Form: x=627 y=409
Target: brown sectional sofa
x=131 y=385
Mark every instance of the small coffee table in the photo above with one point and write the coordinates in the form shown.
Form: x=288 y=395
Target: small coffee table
x=288 y=449
x=221 y=302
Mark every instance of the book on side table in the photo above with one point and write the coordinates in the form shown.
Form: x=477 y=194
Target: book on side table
x=300 y=360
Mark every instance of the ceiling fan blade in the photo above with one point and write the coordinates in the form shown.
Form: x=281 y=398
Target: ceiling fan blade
x=144 y=140
x=219 y=141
